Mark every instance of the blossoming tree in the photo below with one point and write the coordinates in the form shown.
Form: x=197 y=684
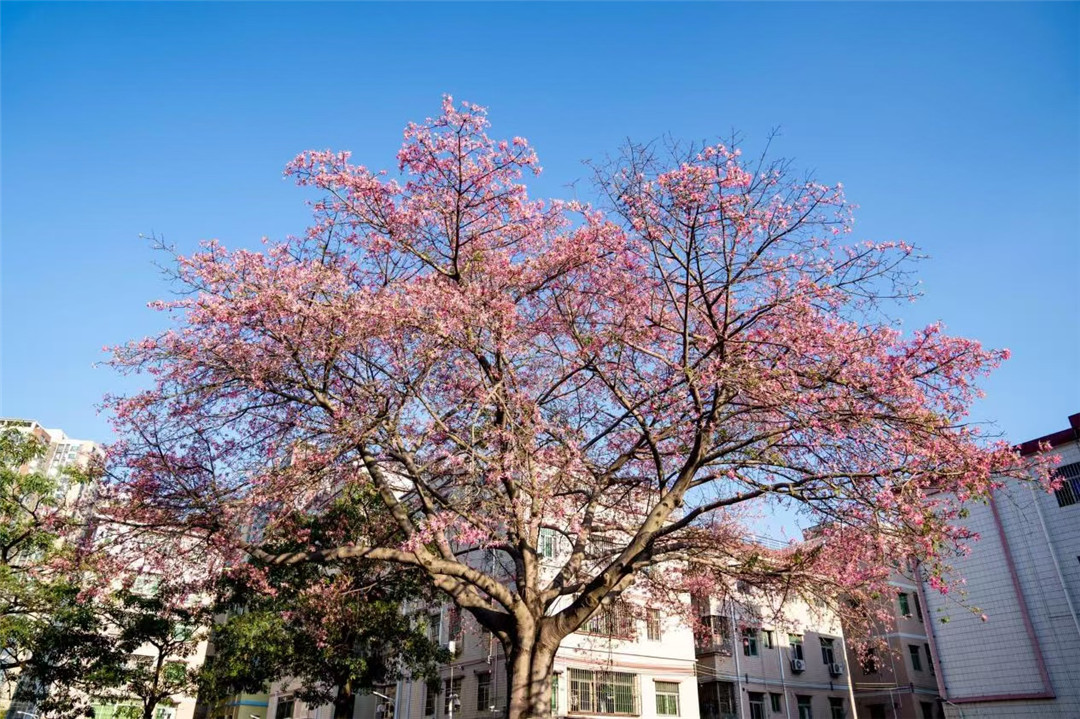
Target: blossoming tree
x=494 y=368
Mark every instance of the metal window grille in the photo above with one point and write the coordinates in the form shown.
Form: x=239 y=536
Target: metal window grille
x=1069 y=493
x=603 y=692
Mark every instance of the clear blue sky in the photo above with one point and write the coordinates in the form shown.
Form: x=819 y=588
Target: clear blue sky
x=954 y=127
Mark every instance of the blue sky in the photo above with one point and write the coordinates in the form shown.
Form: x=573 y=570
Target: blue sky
x=954 y=127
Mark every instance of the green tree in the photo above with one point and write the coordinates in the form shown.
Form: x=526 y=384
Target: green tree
x=159 y=631
x=340 y=629
x=40 y=565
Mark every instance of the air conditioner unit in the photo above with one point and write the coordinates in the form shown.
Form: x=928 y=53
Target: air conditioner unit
x=836 y=669
x=798 y=665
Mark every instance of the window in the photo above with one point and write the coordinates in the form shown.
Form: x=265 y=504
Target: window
x=757 y=705
x=905 y=608
x=916 y=660
x=554 y=694
x=768 y=638
x=918 y=607
x=774 y=701
x=927 y=710
x=610 y=620
x=146 y=585
x=929 y=658
x=453 y=621
x=749 y=642
x=806 y=708
x=869 y=661
x=667 y=699
x=716 y=632
x=652 y=625
x=483 y=691
x=546 y=543
x=434 y=626
x=1070 y=484
x=827 y=654
x=877 y=711
x=795 y=640
x=452 y=695
x=285 y=706
x=836 y=708
x=430 y=699
x=600 y=547
x=594 y=692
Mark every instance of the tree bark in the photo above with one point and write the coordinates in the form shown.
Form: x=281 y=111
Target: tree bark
x=343 y=703
x=528 y=677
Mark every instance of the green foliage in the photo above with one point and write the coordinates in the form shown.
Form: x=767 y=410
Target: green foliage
x=165 y=628
x=338 y=629
x=39 y=596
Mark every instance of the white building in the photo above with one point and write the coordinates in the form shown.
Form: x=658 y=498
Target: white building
x=1024 y=575
x=622 y=662
x=757 y=660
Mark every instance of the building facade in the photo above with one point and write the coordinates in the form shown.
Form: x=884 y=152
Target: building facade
x=1019 y=655
x=899 y=679
x=623 y=662
x=751 y=667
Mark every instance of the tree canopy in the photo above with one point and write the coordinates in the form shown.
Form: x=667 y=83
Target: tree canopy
x=631 y=375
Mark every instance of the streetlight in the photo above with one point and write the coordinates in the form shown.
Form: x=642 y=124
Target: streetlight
x=380 y=710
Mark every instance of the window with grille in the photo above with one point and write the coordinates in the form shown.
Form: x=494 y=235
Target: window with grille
x=652 y=625
x=667 y=699
x=715 y=632
x=285 y=706
x=429 y=700
x=545 y=543
x=806 y=706
x=1069 y=493
x=593 y=692
x=795 y=640
x=453 y=692
x=611 y=620
x=757 y=705
x=749 y=642
x=554 y=694
x=483 y=692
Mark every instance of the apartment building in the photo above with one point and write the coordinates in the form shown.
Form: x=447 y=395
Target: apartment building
x=1023 y=659
x=628 y=660
x=753 y=667
x=61 y=454
x=898 y=680
x=623 y=662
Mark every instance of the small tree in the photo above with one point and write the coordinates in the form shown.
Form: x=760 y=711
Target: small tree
x=337 y=631
x=494 y=368
x=49 y=634
x=159 y=632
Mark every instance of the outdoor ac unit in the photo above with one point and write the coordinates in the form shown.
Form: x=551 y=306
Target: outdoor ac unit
x=836 y=669
x=798 y=665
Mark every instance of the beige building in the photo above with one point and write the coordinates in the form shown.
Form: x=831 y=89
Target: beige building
x=899 y=680
x=751 y=666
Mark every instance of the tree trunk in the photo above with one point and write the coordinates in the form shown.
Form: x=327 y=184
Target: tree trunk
x=343 y=703
x=148 y=709
x=528 y=678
